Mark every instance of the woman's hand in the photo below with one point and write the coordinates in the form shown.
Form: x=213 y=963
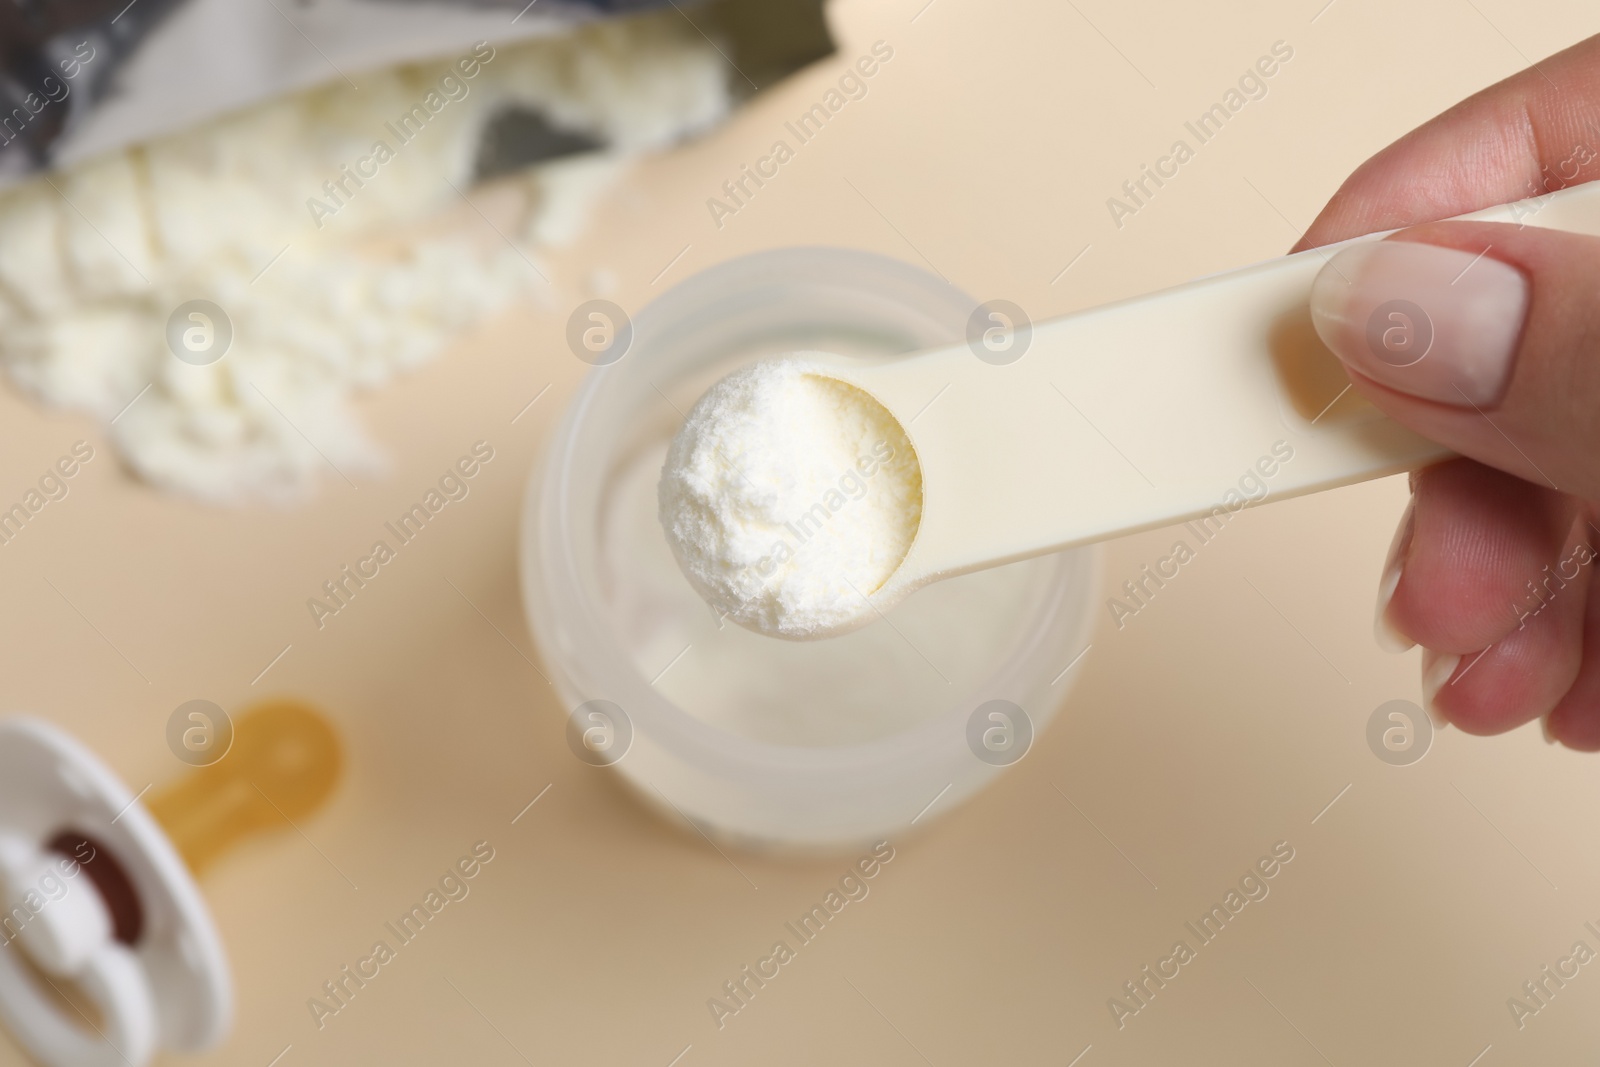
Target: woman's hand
x=1492 y=565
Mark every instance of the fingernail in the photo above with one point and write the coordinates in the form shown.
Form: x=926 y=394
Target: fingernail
x=1388 y=635
x=1437 y=323
x=1436 y=670
x=1549 y=738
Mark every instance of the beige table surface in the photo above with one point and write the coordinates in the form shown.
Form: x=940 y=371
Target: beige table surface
x=1222 y=719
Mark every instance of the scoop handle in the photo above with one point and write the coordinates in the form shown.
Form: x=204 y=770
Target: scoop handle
x=1182 y=406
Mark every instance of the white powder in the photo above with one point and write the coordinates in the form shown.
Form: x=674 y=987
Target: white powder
x=91 y=269
x=940 y=646
x=788 y=498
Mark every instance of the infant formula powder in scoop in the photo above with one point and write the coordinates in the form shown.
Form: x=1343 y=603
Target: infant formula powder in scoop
x=789 y=498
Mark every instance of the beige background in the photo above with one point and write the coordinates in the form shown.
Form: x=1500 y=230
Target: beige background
x=1220 y=720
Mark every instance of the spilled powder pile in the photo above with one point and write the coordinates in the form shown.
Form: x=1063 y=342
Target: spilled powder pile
x=323 y=301
x=788 y=498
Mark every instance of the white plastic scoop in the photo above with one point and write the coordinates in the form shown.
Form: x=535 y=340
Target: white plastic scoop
x=1185 y=405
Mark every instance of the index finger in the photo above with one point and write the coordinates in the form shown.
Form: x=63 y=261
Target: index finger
x=1533 y=133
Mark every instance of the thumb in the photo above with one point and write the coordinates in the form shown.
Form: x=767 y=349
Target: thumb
x=1482 y=337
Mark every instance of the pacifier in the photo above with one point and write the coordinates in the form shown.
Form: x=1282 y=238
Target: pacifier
x=107 y=951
